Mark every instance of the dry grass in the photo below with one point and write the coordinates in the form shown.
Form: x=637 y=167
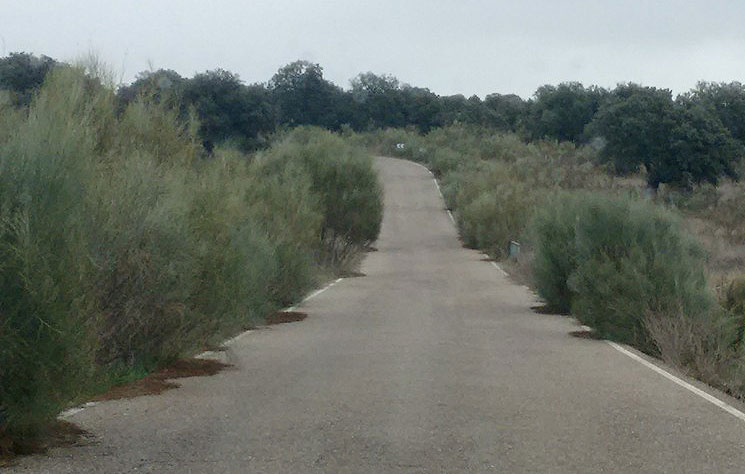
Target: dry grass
x=701 y=347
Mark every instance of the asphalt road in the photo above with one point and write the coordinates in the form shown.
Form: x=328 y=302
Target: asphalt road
x=433 y=362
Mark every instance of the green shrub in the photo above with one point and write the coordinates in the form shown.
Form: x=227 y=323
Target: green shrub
x=45 y=311
x=552 y=233
x=122 y=246
x=634 y=259
x=138 y=239
x=615 y=261
x=492 y=209
x=289 y=210
x=343 y=177
x=234 y=260
x=445 y=160
x=459 y=180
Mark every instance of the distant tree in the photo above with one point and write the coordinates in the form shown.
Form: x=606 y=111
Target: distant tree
x=163 y=84
x=367 y=84
x=678 y=143
x=304 y=97
x=454 y=108
x=475 y=112
x=635 y=123
x=345 y=111
x=22 y=74
x=726 y=100
x=504 y=112
x=701 y=150
x=259 y=118
x=421 y=108
x=228 y=110
x=380 y=100
x=459 y=109
x=562 y=112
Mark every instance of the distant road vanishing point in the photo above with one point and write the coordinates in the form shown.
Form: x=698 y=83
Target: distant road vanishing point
x=432 y=362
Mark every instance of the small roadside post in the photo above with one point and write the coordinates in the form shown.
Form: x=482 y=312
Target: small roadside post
x=514 y=249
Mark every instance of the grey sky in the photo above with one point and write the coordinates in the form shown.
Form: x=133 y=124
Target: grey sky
x=465 y=46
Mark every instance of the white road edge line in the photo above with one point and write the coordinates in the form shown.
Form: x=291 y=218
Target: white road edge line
x=500 y=269
x=709 y=398
x=450 y=215
x=438 y=188
x=420 y=165
x=291 y=308
x=314 y=294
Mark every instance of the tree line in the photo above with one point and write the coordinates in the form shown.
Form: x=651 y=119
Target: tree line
x=696 y=137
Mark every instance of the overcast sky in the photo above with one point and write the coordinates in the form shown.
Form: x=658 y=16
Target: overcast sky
x=458 y=46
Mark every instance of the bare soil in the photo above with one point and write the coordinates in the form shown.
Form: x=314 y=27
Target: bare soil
x=158 y=382
x=282 y=317
x=585 y=334
x=546 y=309
x=60 y=434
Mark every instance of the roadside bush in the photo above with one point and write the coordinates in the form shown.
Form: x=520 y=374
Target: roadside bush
x=459 y=179
x=476 y=142
x=492 y=210
x=615 y=261
x=445 y=160
x=46 y=314
x=234 y=259
x=349 y=192
x=293 y=227
x=123 y=246
x=634 y=259
x=552 y=233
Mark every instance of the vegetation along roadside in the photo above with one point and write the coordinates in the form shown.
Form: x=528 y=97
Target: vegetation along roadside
x=125 y=246
x=140 y=222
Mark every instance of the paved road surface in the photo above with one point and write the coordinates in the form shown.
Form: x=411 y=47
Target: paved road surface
x=433 y=362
